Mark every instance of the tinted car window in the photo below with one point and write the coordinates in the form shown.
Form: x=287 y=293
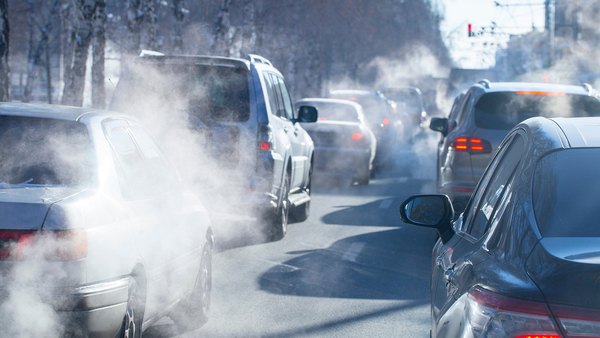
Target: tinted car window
x=496 y=186
x=43 y=151
x=565 y=193
x=335 y=112
x=271 y=93
x=218 y=93
x=134 y=178
x=504 y=110
x=287 y=101
x=410 y=98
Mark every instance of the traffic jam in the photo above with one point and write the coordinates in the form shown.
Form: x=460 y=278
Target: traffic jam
x=256 y=176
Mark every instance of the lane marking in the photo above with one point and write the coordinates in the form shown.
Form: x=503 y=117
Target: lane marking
x=385 y=204
x=353 y=251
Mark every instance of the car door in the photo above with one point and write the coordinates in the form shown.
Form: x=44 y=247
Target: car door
x=454 y=260
x=150 y=213
x=297 y=137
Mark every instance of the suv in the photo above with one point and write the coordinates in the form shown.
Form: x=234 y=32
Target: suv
x=242 y=112
x=483 y=115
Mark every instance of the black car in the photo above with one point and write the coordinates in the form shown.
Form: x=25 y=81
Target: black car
x=523 y=260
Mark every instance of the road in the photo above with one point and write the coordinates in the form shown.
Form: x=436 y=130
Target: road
x=353 y=269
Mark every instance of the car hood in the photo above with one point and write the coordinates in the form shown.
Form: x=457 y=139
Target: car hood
x=567 y=270
x=26 y=208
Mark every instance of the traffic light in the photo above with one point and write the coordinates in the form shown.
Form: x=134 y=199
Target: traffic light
x=470 y=31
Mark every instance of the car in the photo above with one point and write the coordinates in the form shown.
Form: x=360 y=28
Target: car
x=523 y=259
x=480 y=120
x=382 y=123
x=410 y=105
x=344 y=143
x=97 y=227
x=243 y=111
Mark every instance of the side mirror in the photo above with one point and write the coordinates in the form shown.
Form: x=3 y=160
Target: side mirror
x=307 y=114
x=439 y=124
x=431 y=211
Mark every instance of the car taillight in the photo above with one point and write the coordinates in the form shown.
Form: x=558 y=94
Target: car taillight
x=386 y=120
x=357 y=136
x=578 y=322
x=51 y=245
x=492 y=315
x=471 y=145
x=266 y=140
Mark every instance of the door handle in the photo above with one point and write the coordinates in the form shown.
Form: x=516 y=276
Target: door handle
x=449 y=276
x=439 y=261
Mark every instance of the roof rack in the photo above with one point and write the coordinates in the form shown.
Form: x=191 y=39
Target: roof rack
x=485 y=82
x=588 y=87
x=258 y=58
x=146 y=52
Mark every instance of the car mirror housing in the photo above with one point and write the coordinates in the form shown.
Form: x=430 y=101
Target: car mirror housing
x=439 y=124
x=430 y=211
x=307 y=114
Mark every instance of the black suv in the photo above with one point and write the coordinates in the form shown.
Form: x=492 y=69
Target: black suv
x=242 y=113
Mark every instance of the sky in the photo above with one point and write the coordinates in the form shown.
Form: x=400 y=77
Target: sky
x=511 y=17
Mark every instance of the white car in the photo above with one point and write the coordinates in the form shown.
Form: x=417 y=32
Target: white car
x=96 y=226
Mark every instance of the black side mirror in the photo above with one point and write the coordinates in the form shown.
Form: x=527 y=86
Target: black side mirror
x=431 y=211
x=439 y=124
x=307 y=114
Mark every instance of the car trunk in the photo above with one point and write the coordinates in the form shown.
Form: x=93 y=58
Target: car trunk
x=567 y=271
x=336 y=134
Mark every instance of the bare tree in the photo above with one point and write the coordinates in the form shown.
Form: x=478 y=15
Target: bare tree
x=99 y=45
x=179 y=12
x=135 y=16
x=151 y=19
x=222 y=35
x=4 y=69
x=74 y=85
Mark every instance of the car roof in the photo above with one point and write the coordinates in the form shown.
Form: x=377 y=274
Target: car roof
x=581 y=132
x=352 y=92
x=530 y=86
x=51 y=111
x=196 y=59
x=331 y=101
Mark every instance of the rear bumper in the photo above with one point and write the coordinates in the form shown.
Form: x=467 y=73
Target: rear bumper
x=94 y=310
x=341 y=161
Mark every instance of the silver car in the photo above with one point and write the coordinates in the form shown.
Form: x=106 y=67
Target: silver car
x=96 y=227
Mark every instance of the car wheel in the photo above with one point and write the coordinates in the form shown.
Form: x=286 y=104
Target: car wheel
x=277 y=222
x=301 y=212
x=193 y=312
x=363 y=179
x=132 y=321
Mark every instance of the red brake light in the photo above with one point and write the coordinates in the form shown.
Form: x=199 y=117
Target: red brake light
x=461 y=147
x=541 y=93
x=472 y=145
x=538 y=336
x=322 y=118
x=578 y=322
x=265 y=146
x=386 y=120
x=52 y=245
x=475 y=140
x=357 y=136
x=353 y=98
x=461 y=140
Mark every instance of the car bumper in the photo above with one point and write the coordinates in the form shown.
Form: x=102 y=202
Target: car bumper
x=341 y=161
x=94 y=310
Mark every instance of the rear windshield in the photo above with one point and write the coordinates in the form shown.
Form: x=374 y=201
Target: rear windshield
x=335 y=112
x=565 y=193
x=217 y=93
x=409 y=100
x=373 y=106
x=38 y=151
x=505 y=110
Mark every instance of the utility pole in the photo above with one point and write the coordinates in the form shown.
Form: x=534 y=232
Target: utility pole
x=550 y=31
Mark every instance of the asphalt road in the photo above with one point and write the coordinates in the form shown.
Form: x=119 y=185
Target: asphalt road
x=353 y=269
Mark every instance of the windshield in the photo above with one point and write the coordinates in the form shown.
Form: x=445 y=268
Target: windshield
x=216 y=93
x=565 y=190
x=504 y=110
x=408 y=99
x=38 y=151
x=336 y=112
x=373 y=106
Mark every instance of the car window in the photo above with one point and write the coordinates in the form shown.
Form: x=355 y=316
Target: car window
x=157 y=164
x=462 y=115
x=271 y=92
x=41 y=151
x=565 y=190
x=287 y=101
x=500 y=176
x=277 y=89
x=134 y=178
x=504 y=110
x=335 y=111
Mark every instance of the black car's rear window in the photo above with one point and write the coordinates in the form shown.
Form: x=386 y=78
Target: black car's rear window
x=41 y=151
x=217 y=93
x=335 y=112
x=504 y=110
x=408 y=98
x=565 y=193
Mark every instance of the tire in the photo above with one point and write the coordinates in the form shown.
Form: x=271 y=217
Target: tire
x=277 y=222
x=364 y=176
x=193 y=312
x=132 y=321
x=301 y=213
